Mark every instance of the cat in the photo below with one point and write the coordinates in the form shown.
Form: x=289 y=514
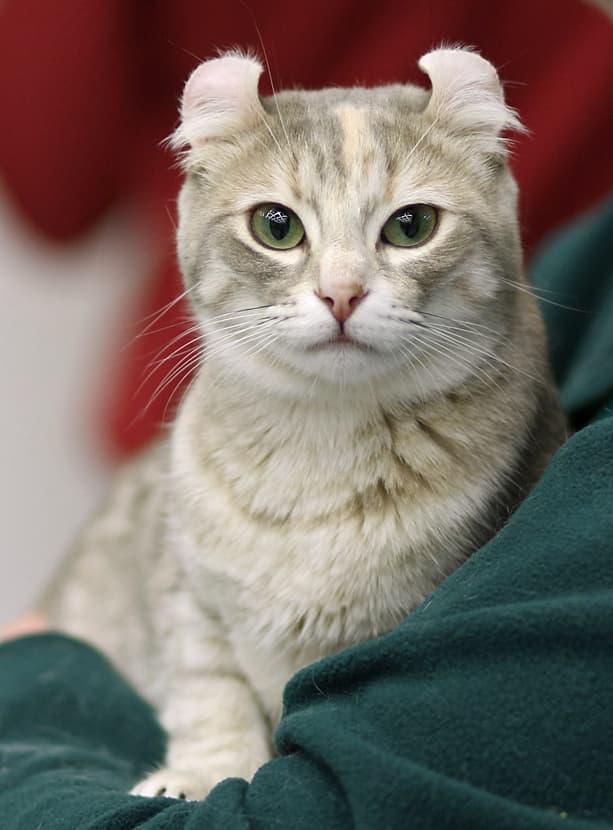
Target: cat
x=372 y=403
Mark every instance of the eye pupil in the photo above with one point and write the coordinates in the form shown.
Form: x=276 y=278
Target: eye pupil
x=278 y=223
x=408 y=223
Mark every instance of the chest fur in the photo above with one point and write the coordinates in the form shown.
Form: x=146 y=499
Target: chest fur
x=316 y=535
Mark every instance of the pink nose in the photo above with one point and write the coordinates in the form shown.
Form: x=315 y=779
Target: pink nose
x=342 y=300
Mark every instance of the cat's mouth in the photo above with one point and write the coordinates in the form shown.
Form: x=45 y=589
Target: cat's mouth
x=339 y=341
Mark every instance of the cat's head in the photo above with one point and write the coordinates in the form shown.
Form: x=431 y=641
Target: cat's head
x=352 y=237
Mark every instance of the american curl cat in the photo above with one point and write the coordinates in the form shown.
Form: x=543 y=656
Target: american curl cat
x=372 y=402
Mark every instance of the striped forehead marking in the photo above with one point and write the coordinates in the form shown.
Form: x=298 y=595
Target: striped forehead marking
x=353 y=123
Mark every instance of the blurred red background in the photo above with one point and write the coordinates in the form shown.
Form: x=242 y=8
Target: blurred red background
x=89 y=90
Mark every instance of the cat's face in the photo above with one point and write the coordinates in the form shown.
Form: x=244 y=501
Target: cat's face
x=351 y=237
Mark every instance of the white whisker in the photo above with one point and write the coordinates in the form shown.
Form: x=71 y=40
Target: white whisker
x=411 y=357
x=154 y=365
x=185 y=332
x=446 y=353
x=179 y=373
x=469 y=323
x=423 y=136
x=237 y=312
x=250 y=324
x=262 y=341
x=151 y=372
x=157 y=315
x=272 y=86
x=465 y=342
x=221 y=345
x=534 y=292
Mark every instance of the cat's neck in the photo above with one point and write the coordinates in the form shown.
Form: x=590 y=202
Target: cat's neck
x=239 y=417
x=245 y=402
x=284 y=457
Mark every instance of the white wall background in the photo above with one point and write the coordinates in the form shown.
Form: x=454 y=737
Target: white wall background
x=60 y=309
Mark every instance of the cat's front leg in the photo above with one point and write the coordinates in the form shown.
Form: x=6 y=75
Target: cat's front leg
x=216 y=730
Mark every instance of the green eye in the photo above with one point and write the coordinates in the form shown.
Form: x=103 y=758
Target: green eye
x=411 y=225
x=276 y=227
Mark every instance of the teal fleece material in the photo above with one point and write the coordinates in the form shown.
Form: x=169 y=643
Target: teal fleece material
x=488 y=707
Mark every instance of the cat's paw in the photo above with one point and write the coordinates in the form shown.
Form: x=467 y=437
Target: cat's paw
x=174 y=784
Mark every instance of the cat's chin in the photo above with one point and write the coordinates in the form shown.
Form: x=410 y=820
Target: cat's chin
x=340 y=360
x=335 y=368
x=343 y=363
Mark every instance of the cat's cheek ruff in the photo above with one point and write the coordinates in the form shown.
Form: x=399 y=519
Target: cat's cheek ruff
x=216 y=290
x=481 y=282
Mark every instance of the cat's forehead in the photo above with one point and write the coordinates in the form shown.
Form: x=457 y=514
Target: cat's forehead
x=339 y=127
x=358 y=143
x=379 y=103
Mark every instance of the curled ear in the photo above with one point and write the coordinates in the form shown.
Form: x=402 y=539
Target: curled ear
x=219 y=98
x=467 y=97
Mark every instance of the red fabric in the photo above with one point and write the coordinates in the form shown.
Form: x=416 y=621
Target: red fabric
x=87 y=91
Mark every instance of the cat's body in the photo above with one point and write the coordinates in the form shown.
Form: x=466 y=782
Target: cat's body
x=368 y=413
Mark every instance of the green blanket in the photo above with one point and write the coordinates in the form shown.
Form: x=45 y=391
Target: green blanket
x=489 y=707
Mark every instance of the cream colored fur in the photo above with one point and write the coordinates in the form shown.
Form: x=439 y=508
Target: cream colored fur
x=312 y=492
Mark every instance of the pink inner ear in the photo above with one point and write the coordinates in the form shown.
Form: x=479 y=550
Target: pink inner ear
x=453 y=71
x=467 y=93
x=229 y=82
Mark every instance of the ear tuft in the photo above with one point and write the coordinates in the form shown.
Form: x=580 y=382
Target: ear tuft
x=467 y=97
x=219 y=98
